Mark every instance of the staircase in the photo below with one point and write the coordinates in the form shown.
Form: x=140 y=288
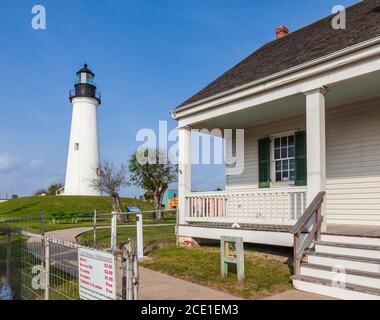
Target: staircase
x=343 y=267
x=339 y=266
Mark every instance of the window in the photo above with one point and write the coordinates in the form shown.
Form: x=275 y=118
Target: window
x=76 y=146
x=284 y=158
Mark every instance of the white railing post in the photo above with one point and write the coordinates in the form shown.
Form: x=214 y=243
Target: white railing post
x=140 y=236
x=113 y=231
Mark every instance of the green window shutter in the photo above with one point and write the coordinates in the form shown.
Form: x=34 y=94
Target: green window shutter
x=264 y=163
x=301 y=159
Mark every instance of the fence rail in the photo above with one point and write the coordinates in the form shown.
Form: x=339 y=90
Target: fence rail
x=275 y=206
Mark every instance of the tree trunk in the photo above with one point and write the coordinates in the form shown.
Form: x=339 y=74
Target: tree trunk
x=116 y=207
x=158 y=206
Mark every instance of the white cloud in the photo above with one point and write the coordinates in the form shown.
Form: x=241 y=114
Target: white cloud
x=25 y=176
x=5 y=162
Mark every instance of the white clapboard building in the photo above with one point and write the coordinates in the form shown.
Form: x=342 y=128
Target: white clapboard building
x=309 y=104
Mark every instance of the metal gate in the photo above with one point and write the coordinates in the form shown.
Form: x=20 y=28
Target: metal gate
x=34 y=266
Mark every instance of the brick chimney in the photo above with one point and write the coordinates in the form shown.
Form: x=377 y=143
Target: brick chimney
x=281 y=32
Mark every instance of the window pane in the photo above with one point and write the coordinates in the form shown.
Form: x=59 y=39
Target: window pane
x=292 y=164
x=278 y=177
x=278 y=166
x=285 y=176
x=284 y=141
x=284 y=152
x=285 y=166
x=291 y=140
x=291 y=152
x=292 y=175
x=277 y=143
x=277 y=153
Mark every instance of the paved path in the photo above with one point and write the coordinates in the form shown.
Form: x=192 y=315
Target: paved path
x=159 y=286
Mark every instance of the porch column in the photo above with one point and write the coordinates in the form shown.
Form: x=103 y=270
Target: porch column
x=184 y=170
x=316 y=145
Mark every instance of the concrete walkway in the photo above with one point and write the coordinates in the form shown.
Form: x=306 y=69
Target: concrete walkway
x=159 y=286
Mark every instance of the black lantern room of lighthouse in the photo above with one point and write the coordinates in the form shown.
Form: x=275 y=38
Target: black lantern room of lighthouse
x=85 y=85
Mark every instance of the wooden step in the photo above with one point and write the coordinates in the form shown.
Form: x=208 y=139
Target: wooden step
x=324 y=287
x=345 y=261
x=362 y=240
x=355 y=277
x=349 y=249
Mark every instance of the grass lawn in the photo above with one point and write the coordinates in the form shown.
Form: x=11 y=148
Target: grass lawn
x=265 y=274
x=33 y=206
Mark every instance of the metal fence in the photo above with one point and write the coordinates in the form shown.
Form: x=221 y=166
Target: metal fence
x=35 y=267
x=114 y=230
x=39 y=256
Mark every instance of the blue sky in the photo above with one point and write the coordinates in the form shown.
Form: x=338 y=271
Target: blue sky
x=148 y=56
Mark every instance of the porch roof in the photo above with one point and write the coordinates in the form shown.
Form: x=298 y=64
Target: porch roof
x=309 y=43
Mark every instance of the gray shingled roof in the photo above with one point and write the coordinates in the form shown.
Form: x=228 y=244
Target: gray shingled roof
x=311 y=42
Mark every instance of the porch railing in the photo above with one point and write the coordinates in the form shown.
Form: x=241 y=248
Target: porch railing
x=282 y=206
x=310 y=224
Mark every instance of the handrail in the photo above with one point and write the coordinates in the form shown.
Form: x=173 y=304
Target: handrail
x=314 y=209
x=245 y=191
x=310 y=210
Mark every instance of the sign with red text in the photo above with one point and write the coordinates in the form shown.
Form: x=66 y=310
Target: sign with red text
x=96 y=275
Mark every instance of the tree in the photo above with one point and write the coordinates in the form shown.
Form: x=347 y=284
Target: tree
x=148 y=196
x=40 y=192
x=111 y=181
x=152 y=175
x=53 y=188
x=50 y=191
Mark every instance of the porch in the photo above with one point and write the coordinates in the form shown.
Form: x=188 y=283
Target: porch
x=328 y=140
x=268 y=206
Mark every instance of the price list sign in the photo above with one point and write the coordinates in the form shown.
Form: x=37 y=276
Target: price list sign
x=96 y=275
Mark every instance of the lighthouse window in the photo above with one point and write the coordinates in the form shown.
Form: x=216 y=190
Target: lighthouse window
x=76 y=146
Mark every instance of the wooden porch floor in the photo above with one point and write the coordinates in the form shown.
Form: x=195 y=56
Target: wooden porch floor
x=243 y=226
x=343 y=230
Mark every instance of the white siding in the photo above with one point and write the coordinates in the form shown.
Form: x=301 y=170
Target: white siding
x=353 y=164
x=353 y=161
x=249 y=178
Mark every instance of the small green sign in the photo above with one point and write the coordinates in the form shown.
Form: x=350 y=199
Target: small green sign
x=232 y=252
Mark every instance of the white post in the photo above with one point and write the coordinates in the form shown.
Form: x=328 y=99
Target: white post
x=316 y=145
x=184 y=171
x=113 y=231
x=140 y=236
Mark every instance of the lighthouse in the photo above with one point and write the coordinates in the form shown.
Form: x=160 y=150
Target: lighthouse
x=83 y=156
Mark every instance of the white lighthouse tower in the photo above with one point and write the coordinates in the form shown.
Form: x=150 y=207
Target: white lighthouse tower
x=83 y=158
